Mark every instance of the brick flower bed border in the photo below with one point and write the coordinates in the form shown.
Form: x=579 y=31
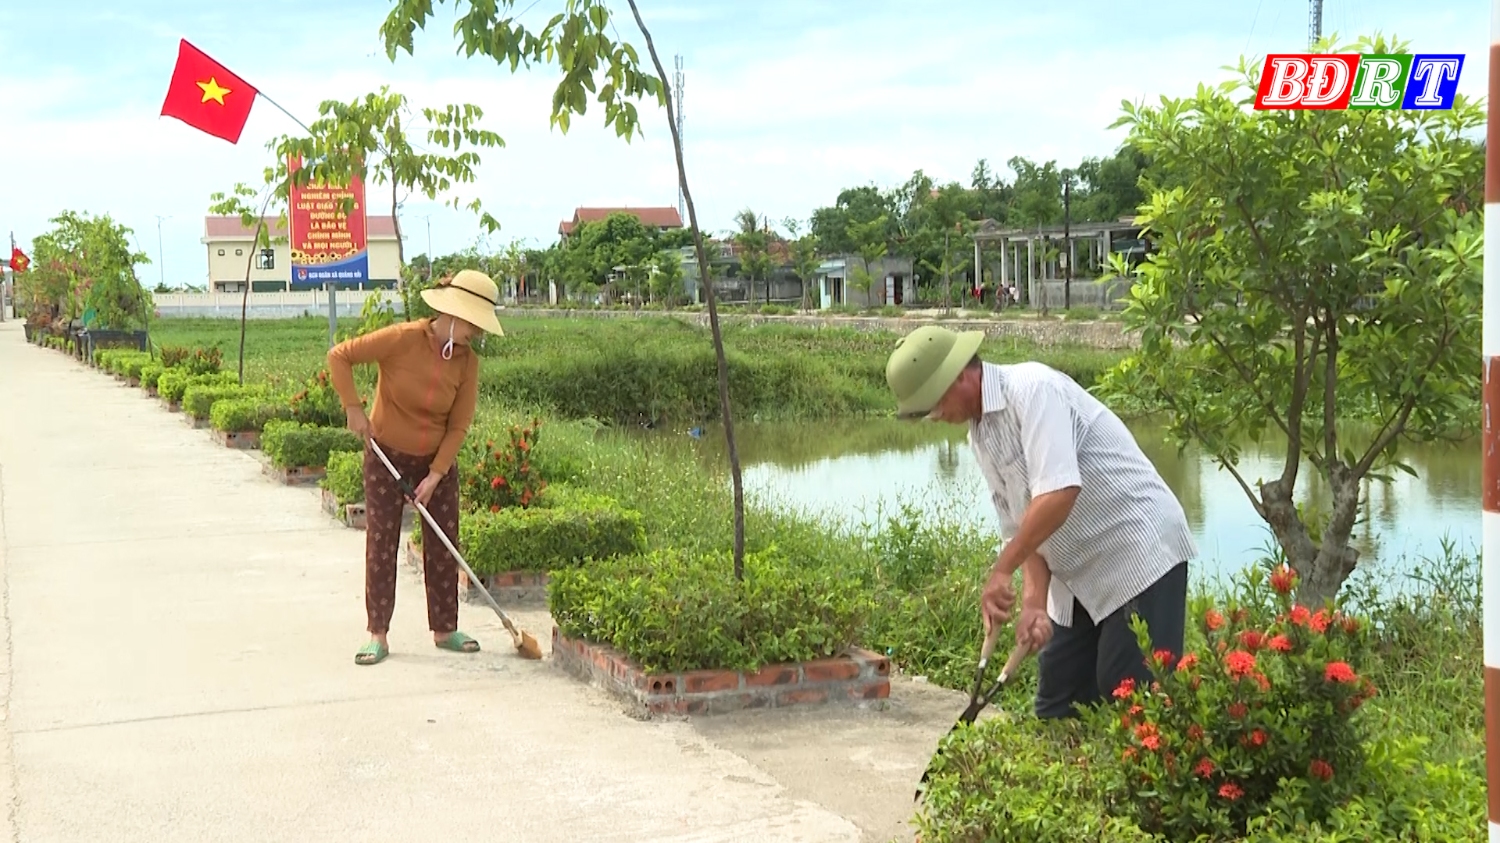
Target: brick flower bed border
x=858 y=677
x=196 y=424
x=351 y=514
x=508 y=587
x=241 y=440
x=297 y=475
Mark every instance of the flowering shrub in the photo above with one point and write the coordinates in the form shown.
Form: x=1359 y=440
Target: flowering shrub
x=318 y=403
x=1272 y=696
x=505 y=477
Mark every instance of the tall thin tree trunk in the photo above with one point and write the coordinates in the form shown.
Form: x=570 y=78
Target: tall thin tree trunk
x=260 y=225
x=713 y=311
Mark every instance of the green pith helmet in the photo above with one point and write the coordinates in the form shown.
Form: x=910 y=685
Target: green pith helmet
x=927 y=362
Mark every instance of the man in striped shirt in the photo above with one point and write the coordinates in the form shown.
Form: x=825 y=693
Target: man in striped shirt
x=1085 y=516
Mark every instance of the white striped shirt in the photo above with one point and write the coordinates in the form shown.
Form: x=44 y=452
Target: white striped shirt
x=1039 y=432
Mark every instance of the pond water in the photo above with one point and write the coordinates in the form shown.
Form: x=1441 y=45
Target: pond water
x=853 y=470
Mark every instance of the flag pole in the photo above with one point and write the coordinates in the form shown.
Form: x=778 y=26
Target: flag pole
x=293 y=117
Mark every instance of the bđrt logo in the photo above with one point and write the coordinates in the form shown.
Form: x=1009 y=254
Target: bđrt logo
x=1338 y=81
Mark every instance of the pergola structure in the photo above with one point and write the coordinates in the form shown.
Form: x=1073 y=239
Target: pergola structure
x=1027 y=254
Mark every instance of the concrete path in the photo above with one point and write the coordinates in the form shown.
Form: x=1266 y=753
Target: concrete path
x=178 y=635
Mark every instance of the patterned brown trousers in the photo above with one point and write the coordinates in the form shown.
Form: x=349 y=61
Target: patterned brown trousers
x=383 y=506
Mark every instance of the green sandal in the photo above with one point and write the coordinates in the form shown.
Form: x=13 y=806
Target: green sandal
x=459 y=643
x=372 y=653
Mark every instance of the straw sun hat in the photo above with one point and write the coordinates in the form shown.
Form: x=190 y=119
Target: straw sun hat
x=471 y=296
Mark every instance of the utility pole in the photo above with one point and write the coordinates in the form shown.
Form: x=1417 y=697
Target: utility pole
x=1315 y=23
x=679 y=83
x=161 y=260
x=1067 y=240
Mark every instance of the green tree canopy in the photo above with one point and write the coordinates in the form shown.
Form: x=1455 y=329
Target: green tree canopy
x=1317 y=275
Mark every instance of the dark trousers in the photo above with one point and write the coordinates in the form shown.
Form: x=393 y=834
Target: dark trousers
x=383 y=506
x=1084 y=663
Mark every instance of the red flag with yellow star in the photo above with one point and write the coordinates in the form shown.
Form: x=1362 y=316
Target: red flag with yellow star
x=207 y=96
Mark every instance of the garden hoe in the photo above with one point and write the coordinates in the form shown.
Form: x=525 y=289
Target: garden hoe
x=978 y=701
x=525 y=644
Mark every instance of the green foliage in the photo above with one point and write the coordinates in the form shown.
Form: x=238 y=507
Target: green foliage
x=571 y=529
x=174 y=382
x=250 y=412
x=1309 y=266
x=345 y=477
x=291 y=444
x=149 y=373
x=674 y=610
x=318 y=403
x=84 y=266
x=195 y=361
x=1269 y=699
x=198 y=399
x=504 y=477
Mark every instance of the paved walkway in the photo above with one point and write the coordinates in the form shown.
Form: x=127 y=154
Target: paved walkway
x=178 y=635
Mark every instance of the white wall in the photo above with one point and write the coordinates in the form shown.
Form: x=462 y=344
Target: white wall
x=267 y=305
x=230 y=267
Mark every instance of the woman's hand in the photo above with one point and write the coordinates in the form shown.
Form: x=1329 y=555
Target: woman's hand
x=428 y=485
x=358 y=422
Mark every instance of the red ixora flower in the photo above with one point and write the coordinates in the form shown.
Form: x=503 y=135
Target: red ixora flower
x=1237 y=710
x=1188 y=662
x=497 y=482
x=1204 y=768
x=1195 y=732
x=1125 y=688
x=1151 y=742
x=1239 y=663
x=1255 y=738
x=1164 y=657
x=1320 y=769
x=1340 y=672
x=1319 y=621
x=1251 y=639
x=1231 y=791
x=1283 y=579
x=1280 y=643
x=1300 y=615
x=1213 y=619
x=1262 y=681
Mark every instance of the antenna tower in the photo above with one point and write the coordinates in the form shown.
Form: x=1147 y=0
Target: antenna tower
x=678 y=84
x=1315 y=23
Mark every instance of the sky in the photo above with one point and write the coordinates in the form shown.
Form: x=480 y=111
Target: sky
x=787 y=102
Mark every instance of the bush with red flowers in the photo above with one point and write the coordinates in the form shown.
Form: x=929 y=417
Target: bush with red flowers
x=1270 y=696
x=318 y=403
x=504 y=476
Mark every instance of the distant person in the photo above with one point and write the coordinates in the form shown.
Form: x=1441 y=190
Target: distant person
x=425 y=395
x=1086 y=518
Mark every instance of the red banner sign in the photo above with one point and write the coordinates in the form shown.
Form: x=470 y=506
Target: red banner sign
x=327 y=246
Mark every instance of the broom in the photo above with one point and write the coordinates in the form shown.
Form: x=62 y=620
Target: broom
x=525 y=644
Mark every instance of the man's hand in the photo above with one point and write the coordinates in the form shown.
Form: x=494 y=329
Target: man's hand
x=358 y=422
x=428 y=485
x=998 y=598
x=1034 y=628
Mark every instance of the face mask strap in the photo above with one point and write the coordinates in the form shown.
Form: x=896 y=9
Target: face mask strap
x=448 y=346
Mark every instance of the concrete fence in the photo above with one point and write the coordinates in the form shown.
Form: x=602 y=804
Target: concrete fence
x=267 y=305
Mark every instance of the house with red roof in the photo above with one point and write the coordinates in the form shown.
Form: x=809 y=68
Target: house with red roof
x=660 y=218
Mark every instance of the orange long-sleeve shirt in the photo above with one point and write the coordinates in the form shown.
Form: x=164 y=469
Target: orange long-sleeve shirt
x=423 y=403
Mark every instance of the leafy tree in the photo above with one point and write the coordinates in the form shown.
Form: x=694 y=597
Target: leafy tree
x=1313 y=268
x=367 y=139
x=805 y=261
x=590 y=255
x=666 y=277
x=578 y=40
x=84 y=267
x=755 y=257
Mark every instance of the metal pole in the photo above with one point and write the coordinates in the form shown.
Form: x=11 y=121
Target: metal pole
x=1068 y=241
x=1490 y=566
x=161 y=259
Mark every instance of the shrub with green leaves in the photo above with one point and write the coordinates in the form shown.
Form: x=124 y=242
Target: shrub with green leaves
x=672 y=610
x=1270 y=698
x=195 y=361
x=345 y=477
x=174 y=382
x=574 y=528
x=243 y=414
x=198 y=399
x=290 y=444
x=149 y=374
x=132 y=364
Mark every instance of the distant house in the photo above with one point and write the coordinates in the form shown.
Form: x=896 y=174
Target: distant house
x=662 y=219
x=229 y=242
x=893 y=282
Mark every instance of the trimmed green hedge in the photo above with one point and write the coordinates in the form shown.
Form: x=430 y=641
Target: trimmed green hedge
x=121 y=361
x=345 y=477
x=198 y=400
x=150 y=373
x=243 y=414
x=671 y=610
x=174 y=382
x=574 y=527
x=293 y=445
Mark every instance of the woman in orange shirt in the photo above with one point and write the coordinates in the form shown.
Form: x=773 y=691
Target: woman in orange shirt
x=425 y=396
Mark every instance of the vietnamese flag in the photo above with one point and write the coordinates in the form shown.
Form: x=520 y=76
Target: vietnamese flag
x=18 y=260
x=207 y=96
